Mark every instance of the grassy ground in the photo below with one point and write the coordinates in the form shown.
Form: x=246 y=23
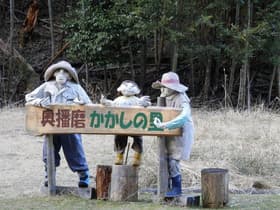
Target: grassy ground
x=248 y=202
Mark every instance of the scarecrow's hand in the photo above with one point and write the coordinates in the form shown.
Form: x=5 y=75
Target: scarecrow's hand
x=105 y=101
x=159 y=124
x=34 y=102
x=45 y=103
x=78 y=101
x=145 y=101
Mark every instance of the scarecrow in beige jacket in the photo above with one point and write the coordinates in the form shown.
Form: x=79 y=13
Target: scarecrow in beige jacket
x=129 y=90
x=177 y=147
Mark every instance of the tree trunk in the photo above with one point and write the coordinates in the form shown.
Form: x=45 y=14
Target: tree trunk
x=242 y=86
x=231 y=77
x=105 y=80
x=51 y=27
x=271 y=83
x=278 y=76
x=11 y=64
x=245 y=71
x=175 y=57
x=131 y=62
x=143 y=64
x=11 y=26
x=250 y=9
x=192 y=78
x=178 y=27
x=234 y=60
x=158 y=45
x=207 y=79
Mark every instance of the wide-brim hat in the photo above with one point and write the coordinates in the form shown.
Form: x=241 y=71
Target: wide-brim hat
x=49 y=73
x=170 y=80
x=129 y=88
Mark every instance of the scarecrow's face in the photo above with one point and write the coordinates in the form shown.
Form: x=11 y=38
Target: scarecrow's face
x=61 y=76
x=165 y=92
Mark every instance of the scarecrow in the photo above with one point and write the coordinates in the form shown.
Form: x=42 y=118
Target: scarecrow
x=129 y=91
x=62 y=86
x=177 y=147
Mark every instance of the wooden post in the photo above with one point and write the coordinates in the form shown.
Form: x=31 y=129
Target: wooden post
x=162 y=178
x=103 y=181
x=214 y=184
x=124 y=183
x=51 y=165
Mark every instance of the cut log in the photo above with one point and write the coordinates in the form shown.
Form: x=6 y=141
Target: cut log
x=214 y=184
x=103 y=181
x=124 y=183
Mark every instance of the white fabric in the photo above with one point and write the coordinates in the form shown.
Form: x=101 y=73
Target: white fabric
x=179 y=147
x=71 y=93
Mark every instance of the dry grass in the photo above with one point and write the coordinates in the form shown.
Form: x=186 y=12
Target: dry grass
x=245 y=143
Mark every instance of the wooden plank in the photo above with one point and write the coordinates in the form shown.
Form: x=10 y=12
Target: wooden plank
x=51 y=165
x=86 y=193
x=162 y=177
x=98 y=119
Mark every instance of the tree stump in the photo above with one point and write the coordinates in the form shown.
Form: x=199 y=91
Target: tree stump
x=124 y=183
x=103 y=181
x=214 y=184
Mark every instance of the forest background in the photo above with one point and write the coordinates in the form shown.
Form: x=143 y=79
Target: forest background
x=226 y=52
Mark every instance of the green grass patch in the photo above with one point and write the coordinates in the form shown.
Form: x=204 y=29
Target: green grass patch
x=262 y=202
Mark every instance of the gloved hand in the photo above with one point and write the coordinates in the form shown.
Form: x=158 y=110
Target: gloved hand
x=35 y=102
x=78 y=101
x=145 y=101
x=105 y=101
x=45 y=102
x=159 y=124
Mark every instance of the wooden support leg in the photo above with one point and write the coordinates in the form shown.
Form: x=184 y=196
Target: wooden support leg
x=162 y=181
x=51 y=166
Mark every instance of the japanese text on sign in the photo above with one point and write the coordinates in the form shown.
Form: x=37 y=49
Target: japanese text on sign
x=66 y=118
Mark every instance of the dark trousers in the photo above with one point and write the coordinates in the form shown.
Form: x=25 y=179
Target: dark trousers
x=121 y=142
x=72 y=149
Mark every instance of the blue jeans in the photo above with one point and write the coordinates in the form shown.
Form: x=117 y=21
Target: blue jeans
x=72 y=149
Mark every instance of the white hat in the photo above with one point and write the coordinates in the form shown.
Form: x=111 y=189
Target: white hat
x=128 y=88
x=61 y=65
x=171 y=81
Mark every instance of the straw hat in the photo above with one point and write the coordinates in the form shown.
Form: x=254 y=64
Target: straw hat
x=128 y=88
x=61 y=65
x=170 y=80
